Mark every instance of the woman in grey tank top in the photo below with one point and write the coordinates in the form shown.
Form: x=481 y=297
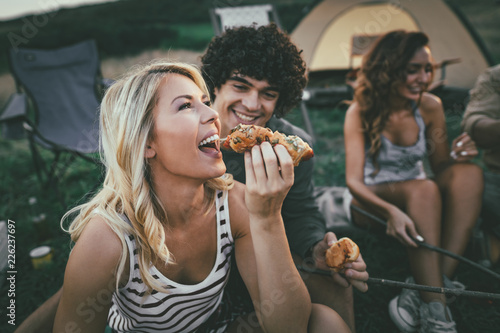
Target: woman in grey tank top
x=391 y=127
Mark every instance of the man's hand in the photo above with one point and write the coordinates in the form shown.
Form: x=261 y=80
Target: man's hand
x=353 y=274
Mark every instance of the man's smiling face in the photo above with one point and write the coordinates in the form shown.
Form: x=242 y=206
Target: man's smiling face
x=244 y=100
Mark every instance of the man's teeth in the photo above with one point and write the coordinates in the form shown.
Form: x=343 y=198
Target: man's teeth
x=208 y=140
x=245 y=118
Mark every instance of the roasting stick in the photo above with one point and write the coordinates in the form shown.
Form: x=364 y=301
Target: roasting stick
x=398 y=284
x=434 y=248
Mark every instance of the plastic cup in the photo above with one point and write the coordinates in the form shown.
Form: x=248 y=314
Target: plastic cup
x=41 y=256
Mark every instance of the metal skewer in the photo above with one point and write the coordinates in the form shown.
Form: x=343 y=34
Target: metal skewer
x=434 y=248
x=398 y=284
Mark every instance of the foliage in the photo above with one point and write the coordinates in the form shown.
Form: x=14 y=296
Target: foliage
x=384 y=256
x=122 y=28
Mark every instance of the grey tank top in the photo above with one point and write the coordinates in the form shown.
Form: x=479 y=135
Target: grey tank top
x=398 y=163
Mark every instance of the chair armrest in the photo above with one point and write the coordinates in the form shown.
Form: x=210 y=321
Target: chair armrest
x=16 y=107
x=13 y=116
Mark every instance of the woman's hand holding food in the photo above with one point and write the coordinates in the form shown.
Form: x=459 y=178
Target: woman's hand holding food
x=269 y=177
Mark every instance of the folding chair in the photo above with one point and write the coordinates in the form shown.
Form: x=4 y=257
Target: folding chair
x=229 y=17
x=13 y=116
x=62 y=85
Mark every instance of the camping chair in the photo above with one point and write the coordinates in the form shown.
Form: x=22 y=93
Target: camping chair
x=229 y=17
x=62 y=85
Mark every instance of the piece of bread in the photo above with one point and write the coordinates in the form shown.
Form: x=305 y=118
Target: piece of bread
x=340 y=253
x=244 y=137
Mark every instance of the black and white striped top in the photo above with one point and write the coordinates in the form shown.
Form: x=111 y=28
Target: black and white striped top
x=185 y=307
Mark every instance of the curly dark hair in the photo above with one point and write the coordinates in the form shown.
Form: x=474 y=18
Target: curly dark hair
x=263 y=53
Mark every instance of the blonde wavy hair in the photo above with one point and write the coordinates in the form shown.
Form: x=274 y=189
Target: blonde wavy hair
x=126 y=123
x=383 y=69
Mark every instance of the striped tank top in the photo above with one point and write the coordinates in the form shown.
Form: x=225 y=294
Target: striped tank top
x=398 y=163
x=185 y=307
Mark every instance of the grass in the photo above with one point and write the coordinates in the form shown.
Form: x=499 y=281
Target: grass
x=384 y=256
x=18 y=184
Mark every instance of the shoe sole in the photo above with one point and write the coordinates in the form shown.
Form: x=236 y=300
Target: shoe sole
x=398 y=321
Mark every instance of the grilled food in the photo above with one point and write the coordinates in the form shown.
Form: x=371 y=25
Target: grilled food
x=244 y=137
x=340 y=253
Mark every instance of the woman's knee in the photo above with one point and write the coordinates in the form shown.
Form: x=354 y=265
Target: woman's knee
x=425 y=190
x=467 y=177
x=324 y=319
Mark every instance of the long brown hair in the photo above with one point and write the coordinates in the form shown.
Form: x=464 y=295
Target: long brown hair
x=383 y=69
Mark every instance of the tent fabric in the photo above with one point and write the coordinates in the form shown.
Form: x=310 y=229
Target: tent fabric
x=325 y=34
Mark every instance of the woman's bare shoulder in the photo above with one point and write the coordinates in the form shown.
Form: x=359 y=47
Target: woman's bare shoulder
x=99 y=242
x=431 y=108
x=430 y=103
x=354 y=108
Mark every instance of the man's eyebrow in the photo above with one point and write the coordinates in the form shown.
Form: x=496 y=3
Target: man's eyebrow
x=245 y=81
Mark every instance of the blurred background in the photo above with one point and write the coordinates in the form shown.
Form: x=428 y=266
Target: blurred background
x=128 y=32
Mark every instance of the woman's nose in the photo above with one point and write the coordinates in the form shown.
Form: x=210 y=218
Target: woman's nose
x=424 y=76
x=209 y=114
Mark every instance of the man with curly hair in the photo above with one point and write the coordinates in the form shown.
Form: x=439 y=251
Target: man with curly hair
x=256 y=76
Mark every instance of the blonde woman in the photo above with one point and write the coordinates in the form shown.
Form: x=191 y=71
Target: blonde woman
x=153 y=247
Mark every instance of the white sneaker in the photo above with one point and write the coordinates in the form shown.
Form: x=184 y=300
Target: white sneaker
x=452 y=284
x=447 y=283
x=436 y=318
x=404 y=309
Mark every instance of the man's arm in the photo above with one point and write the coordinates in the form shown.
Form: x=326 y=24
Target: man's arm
x=486 y=132
x=42 y=319
x=482 y=115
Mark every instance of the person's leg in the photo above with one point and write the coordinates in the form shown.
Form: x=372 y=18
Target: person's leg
x=461 y=186
x=42 y=320
x=324 y=320
x=323 y=290
x=494 y=242
x=421 y=201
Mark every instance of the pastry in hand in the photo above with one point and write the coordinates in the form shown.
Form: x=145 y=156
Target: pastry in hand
x=244 y=137
x=340 y=253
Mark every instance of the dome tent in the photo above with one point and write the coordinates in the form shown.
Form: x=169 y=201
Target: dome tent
x=335 y=33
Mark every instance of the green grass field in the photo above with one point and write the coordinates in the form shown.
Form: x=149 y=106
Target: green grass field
x=385 y=257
